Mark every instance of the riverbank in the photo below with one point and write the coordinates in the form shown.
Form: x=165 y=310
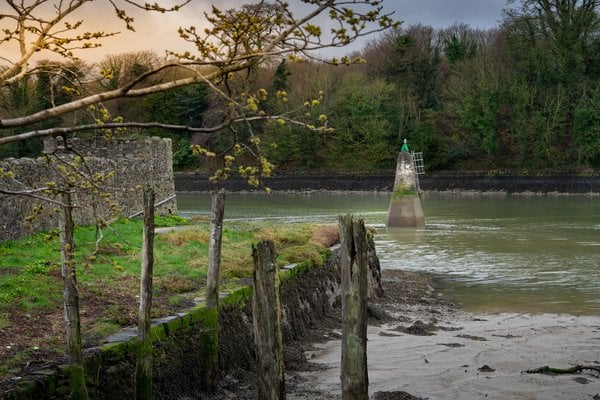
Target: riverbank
x=447 y=182
x=429 y=349
x=421 y=347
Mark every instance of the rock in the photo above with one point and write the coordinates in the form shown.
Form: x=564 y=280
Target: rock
x=486 y=368
x=419 y=328
x=377 y=313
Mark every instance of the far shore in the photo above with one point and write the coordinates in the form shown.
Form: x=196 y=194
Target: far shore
x=447 y=183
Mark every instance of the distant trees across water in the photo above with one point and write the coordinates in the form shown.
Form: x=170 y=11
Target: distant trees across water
x=524 y=95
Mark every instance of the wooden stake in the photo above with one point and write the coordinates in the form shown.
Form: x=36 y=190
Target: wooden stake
x=143 y=370
x=353 y=264
x=76 y=370
x=214 y=249
x=266 y=311
x=210 y=368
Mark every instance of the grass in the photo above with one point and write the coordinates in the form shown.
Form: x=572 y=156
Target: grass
x=108 y=271
x=403 y=191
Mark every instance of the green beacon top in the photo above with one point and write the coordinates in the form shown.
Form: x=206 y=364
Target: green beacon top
x=404 y=146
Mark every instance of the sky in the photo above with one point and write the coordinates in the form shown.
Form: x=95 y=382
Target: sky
x=158 y=32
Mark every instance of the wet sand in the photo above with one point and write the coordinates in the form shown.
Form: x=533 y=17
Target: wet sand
x=453 y=354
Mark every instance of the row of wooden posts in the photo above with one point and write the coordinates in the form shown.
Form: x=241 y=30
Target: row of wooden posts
x=266 y=308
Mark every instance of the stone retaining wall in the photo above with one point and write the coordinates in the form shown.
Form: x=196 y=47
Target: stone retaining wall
x=190 y=182
x=135 y=163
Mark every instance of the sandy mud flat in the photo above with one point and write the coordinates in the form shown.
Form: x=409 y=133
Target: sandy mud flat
x=425 y=348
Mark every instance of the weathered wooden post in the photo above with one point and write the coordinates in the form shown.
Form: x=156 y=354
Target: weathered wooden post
x=354 y=267
x=266 y=311
x=405 y=205
x=143 y=371
x=210 y=368
x=75 y=371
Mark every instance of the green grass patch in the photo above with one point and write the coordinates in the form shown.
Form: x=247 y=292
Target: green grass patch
x=108 y=265
x=403 y=191
x=4 y=321
x=102 y=328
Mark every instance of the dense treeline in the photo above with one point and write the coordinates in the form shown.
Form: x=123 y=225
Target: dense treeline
x=522 y=96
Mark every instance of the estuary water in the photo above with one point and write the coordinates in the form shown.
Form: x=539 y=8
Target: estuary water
x=537 y=254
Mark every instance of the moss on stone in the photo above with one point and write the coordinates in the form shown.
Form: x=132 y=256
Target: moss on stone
x=297 y=270
x=210 y=347
x=114 y=351
x=403 y=191
x=174 y=324
x=76 y=377
x=238 y=297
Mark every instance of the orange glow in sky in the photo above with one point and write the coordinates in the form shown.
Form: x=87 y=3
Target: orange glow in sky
x=158 y=32
x=153 y=31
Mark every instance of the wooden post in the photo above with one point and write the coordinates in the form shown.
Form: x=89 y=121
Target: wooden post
x=353 y=264
x=76 y=370
x=211 y=323
x=143 y=371
x=266 y=311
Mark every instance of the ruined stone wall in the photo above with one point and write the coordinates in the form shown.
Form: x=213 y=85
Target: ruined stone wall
x=136 y=163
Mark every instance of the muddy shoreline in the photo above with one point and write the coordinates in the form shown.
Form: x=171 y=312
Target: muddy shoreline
x=422 y=347
x=401 y=289
x=192 y=182
x=427 y=348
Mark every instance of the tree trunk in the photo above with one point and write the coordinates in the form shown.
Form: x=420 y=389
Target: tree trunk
x=353 y=264
x=143 y=371
x=76 y=370
x=266 y=311
x=211 y=323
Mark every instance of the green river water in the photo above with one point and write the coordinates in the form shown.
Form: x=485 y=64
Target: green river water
x=487 y=253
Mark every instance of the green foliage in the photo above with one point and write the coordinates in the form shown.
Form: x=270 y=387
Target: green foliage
x=52 y=84
x=423 y=138
x=181 y=106
x=170 y=220
x=413 y=64
x=184 y=157
x=521 y=96
x=586 y=130
x=478 y=115
x=280 y=79
x=292 y=147
x=457 y=49
x=360 y=115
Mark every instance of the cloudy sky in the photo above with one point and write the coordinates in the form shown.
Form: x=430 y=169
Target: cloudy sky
x=159 y=31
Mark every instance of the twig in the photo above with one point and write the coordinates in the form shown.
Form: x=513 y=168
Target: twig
x=546 y=370
x=160 y=203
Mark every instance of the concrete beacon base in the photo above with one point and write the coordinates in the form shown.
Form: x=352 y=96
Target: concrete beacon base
x=405 y=208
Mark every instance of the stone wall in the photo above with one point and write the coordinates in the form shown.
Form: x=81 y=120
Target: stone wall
x=135 y=162
x=192 y=182
x=309 y=296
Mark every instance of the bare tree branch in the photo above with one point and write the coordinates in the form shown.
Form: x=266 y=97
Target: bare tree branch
x=59 y=131
x=33 y=193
